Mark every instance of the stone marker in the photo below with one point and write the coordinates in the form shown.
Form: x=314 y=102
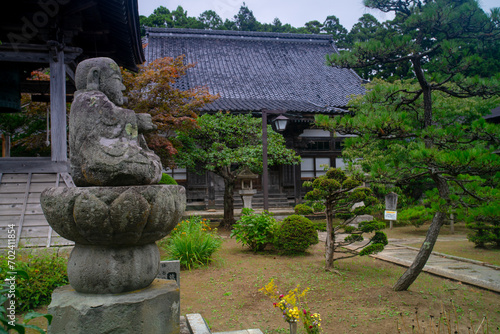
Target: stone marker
x=391 y=201
x=170 y=270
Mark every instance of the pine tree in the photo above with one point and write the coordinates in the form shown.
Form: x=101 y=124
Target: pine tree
x=428 y=126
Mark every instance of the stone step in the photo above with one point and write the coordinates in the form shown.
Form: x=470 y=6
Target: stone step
x=195 y=324
x=243 y=331
x=275 y=201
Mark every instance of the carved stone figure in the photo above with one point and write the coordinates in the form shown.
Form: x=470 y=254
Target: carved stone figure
x=106 y=141
x=115 y=215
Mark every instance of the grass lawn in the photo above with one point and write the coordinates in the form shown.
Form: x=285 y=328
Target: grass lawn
x=358 y=300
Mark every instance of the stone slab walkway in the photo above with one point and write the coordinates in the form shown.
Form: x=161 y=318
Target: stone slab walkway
x=464 y=270
x=468 y=271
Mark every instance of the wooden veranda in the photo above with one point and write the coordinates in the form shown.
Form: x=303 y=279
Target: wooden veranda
x=22 y=180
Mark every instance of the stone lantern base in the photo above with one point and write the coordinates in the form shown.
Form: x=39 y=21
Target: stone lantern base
x=246 y=197
x=153 y=310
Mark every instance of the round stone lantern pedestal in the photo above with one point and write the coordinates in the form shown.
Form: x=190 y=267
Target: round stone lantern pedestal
x=101 y=269
x=115 y=229
x=246 y=197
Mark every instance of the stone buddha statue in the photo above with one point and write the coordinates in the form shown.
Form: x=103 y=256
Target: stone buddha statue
x=106 y=141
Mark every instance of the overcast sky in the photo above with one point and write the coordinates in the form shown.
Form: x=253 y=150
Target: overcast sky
x=295 y=12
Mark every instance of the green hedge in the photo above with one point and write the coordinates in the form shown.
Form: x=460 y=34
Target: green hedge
x=295 y=234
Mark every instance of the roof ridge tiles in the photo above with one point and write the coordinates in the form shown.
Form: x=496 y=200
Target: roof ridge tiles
x=204 y=32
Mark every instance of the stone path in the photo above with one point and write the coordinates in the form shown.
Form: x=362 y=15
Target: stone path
x=468 y=271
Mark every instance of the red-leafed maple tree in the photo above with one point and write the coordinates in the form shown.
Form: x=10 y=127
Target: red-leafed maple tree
x=155 y=89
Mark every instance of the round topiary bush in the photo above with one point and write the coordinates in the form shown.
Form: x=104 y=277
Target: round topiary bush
x=302 y=209
x=167 y=179
x=295 y=234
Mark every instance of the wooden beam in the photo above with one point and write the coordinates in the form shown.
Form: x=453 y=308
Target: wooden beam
x=46 y=98
x=58 y=105
x=70 y=73
x=43 y=87
x=34 y=53
x=33 y=165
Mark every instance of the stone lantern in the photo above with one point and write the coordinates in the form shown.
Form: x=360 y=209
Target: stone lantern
x=247 y=191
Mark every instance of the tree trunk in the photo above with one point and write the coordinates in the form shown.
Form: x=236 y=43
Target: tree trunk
x=330 y=239
x=426 y=90
x=425 y=251
x=229 y=182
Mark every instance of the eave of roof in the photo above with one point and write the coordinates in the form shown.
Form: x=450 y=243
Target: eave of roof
x=100 y=28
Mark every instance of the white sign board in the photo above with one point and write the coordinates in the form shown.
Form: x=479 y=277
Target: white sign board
x=390 y=215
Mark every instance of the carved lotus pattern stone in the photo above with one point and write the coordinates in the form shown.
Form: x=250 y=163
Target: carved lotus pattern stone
x=114 y=216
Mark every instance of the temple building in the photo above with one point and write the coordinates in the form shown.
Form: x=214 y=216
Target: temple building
x=256 y=72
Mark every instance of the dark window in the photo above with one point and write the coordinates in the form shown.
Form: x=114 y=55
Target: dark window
x=339 y=145
x=319 y=146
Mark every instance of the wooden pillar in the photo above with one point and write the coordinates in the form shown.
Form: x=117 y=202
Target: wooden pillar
x=58 y=105
x=5 y=145
x=297 y=184
x=265 y=182
x=211 y=190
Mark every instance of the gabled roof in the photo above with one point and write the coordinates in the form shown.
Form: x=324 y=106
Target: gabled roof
x=256 y=70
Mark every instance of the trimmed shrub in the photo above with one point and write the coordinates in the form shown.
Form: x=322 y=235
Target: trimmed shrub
x=44 y=274
x=416 y=216
x=484 y=225
x=318 y=207
x=192 y=242
x=302 y=209
x=167 y=179
x=254 y=230
x=295 y=234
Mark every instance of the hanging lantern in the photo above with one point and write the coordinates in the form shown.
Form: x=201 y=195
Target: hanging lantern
x=10 y=90
x=280 y=123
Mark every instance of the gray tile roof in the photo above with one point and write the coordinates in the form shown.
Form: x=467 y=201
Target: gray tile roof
x=255 y=70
